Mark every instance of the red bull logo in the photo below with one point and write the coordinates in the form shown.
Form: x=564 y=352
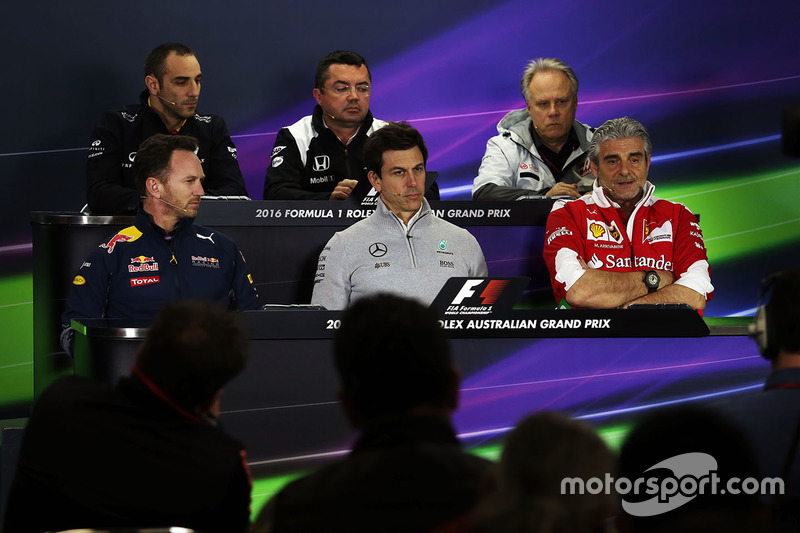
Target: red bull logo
x=119 y=237
x=146 y=264
x=128 y=234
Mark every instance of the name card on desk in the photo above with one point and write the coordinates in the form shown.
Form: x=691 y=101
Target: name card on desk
x=524 y=323
x=315 y=213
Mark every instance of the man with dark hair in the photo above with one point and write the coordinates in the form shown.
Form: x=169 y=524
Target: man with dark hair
x=320 y=156
x=164 y=256
x=377 y=254
x=148 y=452
x=540 y=150
x=622 y=245
x=407 y=471
x=167 y=105
x=771 y=417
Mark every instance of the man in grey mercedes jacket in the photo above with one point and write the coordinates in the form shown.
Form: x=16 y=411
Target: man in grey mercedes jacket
x=540 y=150
x=403 y=248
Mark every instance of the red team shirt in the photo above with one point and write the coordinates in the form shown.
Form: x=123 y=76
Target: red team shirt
x=660 y=235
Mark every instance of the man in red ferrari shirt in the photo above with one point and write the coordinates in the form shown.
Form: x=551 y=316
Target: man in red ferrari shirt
x=621 y=244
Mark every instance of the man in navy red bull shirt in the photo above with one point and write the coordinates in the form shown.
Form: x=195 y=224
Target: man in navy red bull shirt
x=164 y=256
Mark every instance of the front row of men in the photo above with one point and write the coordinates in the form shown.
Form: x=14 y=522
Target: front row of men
x=618 y=246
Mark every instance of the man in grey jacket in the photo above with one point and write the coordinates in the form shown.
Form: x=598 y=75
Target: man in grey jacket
x=403 y=247
x=540 y=150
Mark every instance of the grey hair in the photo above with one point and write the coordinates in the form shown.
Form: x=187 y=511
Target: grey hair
x=545 y=64
x=618 y=128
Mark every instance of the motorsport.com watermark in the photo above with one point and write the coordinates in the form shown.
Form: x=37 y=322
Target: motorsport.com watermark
x=693 y=474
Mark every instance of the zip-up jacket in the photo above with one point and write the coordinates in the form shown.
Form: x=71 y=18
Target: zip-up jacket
x=136 y=271
x=512 y=167
x=308 y=160
x=659 y=235
x=381 y=254
x=116 y=139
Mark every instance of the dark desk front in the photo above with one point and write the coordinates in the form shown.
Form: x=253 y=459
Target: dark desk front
x=281 y=241
x=284 y=408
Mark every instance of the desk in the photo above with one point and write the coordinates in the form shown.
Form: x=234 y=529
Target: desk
x=283 y=405
x=281 y=241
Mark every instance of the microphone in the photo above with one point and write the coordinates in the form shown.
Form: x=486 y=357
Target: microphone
x=166 y=202
x=165 y=100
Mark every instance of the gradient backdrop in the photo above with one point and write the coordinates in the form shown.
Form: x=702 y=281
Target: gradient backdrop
x=708 y=79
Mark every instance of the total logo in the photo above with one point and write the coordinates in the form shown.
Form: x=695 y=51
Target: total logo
x=149 y=280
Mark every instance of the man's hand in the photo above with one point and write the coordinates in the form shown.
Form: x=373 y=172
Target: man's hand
x=564 y=189
x=600 y=289
x=343 y=189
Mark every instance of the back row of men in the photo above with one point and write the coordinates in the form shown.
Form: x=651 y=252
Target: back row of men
x=540 y=150
x=616 y=246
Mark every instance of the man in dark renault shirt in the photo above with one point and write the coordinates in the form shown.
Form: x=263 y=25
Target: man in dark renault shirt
x=168 y=105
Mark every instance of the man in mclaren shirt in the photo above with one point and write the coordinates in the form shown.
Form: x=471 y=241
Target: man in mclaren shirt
x=167 y=105
x=621 y=244
x=164 y=256
x=403 y=248
x=320 y=157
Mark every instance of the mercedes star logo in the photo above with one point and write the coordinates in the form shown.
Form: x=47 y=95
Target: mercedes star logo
x=377 y=249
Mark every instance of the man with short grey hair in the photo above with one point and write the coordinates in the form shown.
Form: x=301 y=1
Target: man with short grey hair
x=621 y=244
x=541 y=150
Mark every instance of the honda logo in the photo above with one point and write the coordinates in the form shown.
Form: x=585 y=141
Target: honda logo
x=321 y=162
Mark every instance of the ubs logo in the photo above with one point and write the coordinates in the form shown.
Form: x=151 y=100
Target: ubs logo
x=321 y=163
x=377 y=249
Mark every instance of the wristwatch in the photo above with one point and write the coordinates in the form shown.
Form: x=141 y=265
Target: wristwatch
x=651 y=280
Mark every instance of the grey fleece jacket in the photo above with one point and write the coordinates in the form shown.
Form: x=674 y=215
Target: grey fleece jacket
x=381 y=254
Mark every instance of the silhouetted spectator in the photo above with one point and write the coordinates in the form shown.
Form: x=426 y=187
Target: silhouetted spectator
x=148 y=452
x=407 y=471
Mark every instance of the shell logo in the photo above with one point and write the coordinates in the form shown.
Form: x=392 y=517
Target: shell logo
x=597 y=230
x=79 y=280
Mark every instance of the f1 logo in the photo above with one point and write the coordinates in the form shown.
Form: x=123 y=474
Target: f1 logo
x=321 y=162
x=466 y=291
x=489 y=295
